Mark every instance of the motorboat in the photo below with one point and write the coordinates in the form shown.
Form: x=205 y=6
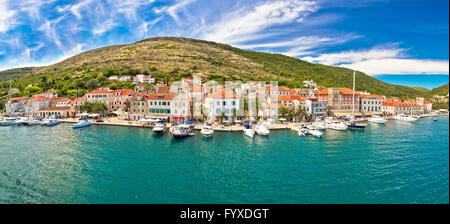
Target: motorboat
x=377 y=120
x=21 y=121
x=336 y=125
x=317 y=126
x=434 y=119
x=315 y=133
x=303 y=132
x=9 y=121
x=356 y=125
x=403 y=117
x=31 y=122
x=159 y=128
x=207 y=131
x=53 y=122
x=248 y=131
x=183 y=130
x=83 y=123
x=262 y=130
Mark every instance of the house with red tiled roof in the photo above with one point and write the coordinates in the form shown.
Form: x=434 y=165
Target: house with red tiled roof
x=140 y=78
x=125 y=78
x=100 y=95
x=159 y=105
x=340 y=100
x=15 y=106
x=59 y=102
x=394 y=108
x=427 y=106
x=120 y=99
x=372 y=104
x=36 y=103
x=138 y=107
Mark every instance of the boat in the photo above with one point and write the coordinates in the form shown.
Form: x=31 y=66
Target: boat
x=31 y=122
x=262 y=130
x=9 y=121
x=303 y=132
x=83 y=123
x=53 y=122
x=434 y=119
x=317 y=126
x=159 y=128
x=356 y=125
x=248 y=131
x=377 y=120
x=21 y=121
x=336 y=125
x=207 y=131
x=403 y=117
x=183 y=130
x=315 y=133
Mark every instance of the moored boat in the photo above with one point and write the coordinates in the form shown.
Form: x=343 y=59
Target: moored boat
x=183 y=130
x=403 y=117
x=159 y=128
x=317 y=126
x=53 y=122
x=9 y=121
x=336 y=125
x=207 y=131
x=83 y=123
x=315 y=133
x=248 y=131
x=262 y=130
x=377 y=120
x=356 y=125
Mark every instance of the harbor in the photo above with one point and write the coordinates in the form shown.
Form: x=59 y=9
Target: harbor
x=389 y=163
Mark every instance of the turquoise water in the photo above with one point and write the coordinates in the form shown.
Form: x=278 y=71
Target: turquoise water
x=396 y=163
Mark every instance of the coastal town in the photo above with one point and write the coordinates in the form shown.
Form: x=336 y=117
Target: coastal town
x=190 y=99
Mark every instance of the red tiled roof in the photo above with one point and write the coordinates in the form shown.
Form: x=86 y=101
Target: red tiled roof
x=399 y=104
x=222 y=94
x=39 y=98
x=371 y=96
x=426 y=102
x=161 y=96
x=99 y=91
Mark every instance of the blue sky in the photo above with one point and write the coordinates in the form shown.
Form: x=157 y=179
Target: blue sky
x=376 y=37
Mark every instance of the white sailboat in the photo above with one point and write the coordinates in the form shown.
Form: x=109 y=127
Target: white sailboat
x=353 y=124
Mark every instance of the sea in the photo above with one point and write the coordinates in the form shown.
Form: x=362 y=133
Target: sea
x=398 y=162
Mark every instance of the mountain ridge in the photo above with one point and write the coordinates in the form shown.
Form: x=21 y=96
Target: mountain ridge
x=170 y=58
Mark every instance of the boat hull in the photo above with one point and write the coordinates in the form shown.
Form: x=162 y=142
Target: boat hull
x=75 y=126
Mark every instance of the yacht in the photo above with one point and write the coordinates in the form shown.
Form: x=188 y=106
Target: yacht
x=207 y=131
x=159 y=128
x=21 y=121
x=336 y=125
x=31 y=122
x=262 y=130
x=377 y=120
x=317 y=126
x=9 y=121
x=403 y=117
x=248 y=131
x=303 y=132
x=83 y=123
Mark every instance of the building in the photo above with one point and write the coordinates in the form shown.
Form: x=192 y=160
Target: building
x=394 y=108
x=427 y=106
x=102 y=96
x=15 y=106
x=75 y=103
x=59 y=112
x=180 y=108
x=138 y=107
x=36 y=103
x=314 y=106
x=140 y=78
x=120 y=99
x=113 y=77
x=159 y=105
x=340 y=100
x=372 y=104
x=125 y=78
x=222 y=102
x=59 y=102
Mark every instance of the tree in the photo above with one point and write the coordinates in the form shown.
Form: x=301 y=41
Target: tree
x=91 y=84
x=283 y=111
x=31 y=90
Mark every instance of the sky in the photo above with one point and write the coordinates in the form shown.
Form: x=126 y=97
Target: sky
x=395 y=37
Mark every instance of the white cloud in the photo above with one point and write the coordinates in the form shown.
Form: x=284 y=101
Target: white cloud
x=173 y=9
x=7 y=20
x=242 y=25
x=50 y=31
x=400 y=66
x=384 y=59
x=104 y=27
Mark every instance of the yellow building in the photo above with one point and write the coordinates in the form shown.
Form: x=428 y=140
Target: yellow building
x=60 y=112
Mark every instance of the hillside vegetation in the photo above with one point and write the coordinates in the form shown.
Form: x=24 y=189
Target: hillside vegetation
x=170 y=58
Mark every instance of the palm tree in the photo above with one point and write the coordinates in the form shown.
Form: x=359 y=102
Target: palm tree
x=283 y=111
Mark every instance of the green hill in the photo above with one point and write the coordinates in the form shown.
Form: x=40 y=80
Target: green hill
x=170 y=58
x=441 y=91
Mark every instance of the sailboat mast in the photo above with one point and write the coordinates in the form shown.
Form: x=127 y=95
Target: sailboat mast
x=353 y=103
